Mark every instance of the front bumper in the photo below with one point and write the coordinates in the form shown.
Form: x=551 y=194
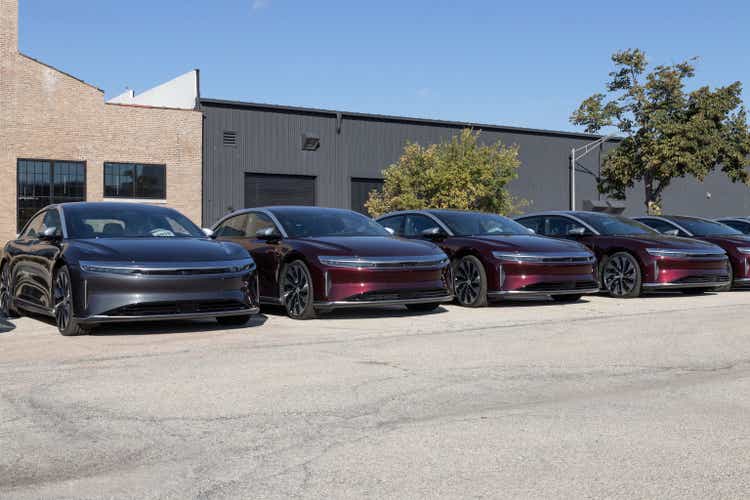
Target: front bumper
x=542 y=293
x=103 y=297
x=382 y=303
x=685 y=273
x=531 y=279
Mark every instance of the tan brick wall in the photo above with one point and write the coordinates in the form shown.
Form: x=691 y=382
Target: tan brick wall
x=46 y=114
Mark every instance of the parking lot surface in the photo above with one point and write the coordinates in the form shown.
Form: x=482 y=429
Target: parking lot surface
x=603 y=398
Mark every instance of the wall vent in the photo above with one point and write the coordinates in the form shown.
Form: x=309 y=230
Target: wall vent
x=230 y=138
x=310 y=142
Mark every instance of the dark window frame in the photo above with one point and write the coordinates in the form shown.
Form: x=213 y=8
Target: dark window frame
x=133 y=197
x=83 y=163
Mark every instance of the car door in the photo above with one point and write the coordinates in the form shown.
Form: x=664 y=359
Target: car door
x=395 y=223
x=416 y=224
x=36 y=259
x=268 y=255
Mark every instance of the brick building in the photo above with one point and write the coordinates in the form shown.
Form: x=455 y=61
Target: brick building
x=60 y=140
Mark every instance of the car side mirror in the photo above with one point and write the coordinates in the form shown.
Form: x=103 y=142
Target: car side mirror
x=209 y=232
x=433 y=233
x=576 y=231
x=672 y=232
x=530 y=230
x=49 y=234
x=267 y=234
x=391 y=231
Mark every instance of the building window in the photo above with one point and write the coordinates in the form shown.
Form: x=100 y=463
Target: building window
x=43 y=182
x=135 y=180
x=361 y=189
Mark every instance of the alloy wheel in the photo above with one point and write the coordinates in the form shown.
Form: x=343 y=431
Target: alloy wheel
x=620 y=275
x=468 y=282
x=296 y=291
x=63 y=298
x=5 y=291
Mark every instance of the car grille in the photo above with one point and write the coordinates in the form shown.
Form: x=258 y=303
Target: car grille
x=398 y=295
x=689 y=280
x=560 y=286
x=176 y=307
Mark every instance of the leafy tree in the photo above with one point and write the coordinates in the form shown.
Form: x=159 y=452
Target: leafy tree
x=668 y=132
x=460 y=173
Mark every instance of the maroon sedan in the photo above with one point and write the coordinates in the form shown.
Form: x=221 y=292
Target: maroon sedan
x=313 y=259
x=495 y=257
x=633 y=257
x=734 y=242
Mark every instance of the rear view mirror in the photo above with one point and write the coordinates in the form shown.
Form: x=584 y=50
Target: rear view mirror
x=433 y=233
x=576 y=231
x=267 y=234
x=672 y=232
x=49 y=234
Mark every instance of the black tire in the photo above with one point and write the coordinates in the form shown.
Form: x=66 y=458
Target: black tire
x=621 y=276
x=296 y=290
x=566 y=298
x=233 y=320
x=6 y=293
x=469 y=282
x=430 y=306
x=64 y=305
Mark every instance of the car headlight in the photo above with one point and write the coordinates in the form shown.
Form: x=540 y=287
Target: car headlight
x=744 y=250
x=517 y=257
x=333 y=261
x=93 y=268
x=547 y=258
x=666 y=252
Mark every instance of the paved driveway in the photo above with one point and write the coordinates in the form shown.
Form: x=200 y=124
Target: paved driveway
x=619 y=398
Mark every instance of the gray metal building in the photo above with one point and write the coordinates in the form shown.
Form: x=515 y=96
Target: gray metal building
x=260 y=154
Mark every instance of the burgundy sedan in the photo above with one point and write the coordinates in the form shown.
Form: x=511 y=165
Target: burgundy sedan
x=313 y=259
x=634 y=258
x=495 y=257
x=734 y=242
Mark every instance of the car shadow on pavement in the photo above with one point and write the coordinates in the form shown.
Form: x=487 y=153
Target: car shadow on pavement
x=6 y=326
x=362 y=312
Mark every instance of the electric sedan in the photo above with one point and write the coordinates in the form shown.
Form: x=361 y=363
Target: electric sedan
x=734 y=242
x=85 y=264
x=313 y=259
x=634 y=258
x=494 y=257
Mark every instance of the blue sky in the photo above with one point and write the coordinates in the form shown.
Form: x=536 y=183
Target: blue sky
x=513 y=63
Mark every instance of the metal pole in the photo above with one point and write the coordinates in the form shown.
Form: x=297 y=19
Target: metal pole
x=573 y=179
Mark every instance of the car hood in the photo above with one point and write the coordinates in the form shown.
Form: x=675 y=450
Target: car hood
x=527 y=243
x=732 y=241
x=368 y=246
x=666 y=241
x=158 y=250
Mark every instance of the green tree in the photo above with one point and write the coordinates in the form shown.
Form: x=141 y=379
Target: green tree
x=667 y=131
x=460 y=173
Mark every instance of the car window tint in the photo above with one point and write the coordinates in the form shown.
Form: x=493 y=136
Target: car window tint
x=395 y=223
x=257 y=221
x=415 y=224
x=535 y=223
x=557 y=226
x=743 y=227
x=233 y=227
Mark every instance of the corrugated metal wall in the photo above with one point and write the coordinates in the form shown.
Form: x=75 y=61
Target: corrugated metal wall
x=270 y=141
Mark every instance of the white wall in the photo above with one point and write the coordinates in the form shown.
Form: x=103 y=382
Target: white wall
x=180 y=93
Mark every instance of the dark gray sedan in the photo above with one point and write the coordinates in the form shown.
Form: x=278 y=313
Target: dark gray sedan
x=91 y=263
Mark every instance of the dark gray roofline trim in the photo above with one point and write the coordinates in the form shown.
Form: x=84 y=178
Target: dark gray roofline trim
x=401 y=119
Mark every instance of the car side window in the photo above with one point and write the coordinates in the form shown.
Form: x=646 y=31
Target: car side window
x=534 y=223
x=395 y=223
x=660 y=225
x=743 y=227
x=257 y=221
x=414 y=224
x=34 y=228
x=558 y=226
x=233 y=227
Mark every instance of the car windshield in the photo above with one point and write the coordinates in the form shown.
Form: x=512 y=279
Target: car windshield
x=96 y=221
x=316 y=223
x=703 y=227
x=614 y=225
x=476 y=224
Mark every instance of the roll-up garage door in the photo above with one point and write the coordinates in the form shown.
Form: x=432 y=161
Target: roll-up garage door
x=271 y=189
